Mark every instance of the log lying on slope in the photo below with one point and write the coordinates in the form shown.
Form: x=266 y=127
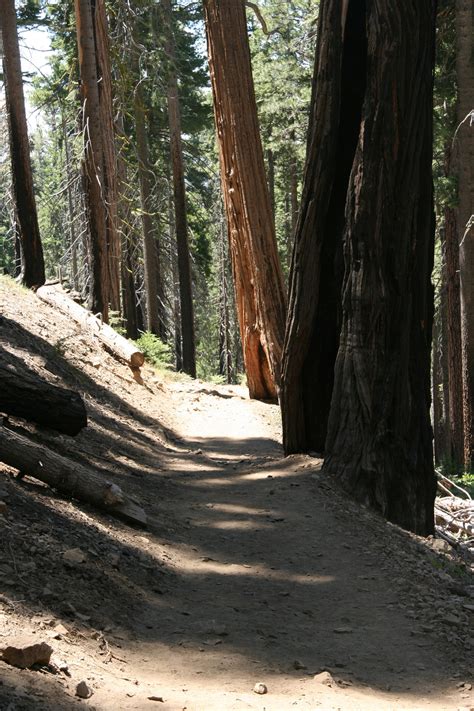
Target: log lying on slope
x=24 y=394
x=67 y=476
x=119 y=346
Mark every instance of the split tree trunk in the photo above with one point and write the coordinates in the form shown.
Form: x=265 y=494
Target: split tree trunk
x=464 y=146
x=180 y=209
x=67 y=476
x=24 y=394
x=32 y=261
x=314 y=318
x=258 y=279
x=379 y=442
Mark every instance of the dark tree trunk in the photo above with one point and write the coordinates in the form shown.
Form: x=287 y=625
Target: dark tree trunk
x=32 y=261
x=225 y=350
x=180 y=209
x=379 y=442
x=314 y=319
x=271 y=180
x=464 y=145
x=438 y=419
x=454 y=347
x=258 y=279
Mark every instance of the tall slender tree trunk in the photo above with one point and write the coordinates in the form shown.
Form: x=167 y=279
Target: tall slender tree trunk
x=314 y=319
x=464 y=146
x=271 y=180
x=129 y=295
x=70 y=202
x=93 y=158
x=438 y=420
x=180 y=209
x=379 y=440
x=258 y=279
x=151 y=261
x=225 y=350
x=102 y=45
x=32 y=261
x=454 y=345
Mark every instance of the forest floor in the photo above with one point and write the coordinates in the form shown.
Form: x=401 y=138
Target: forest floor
x=253 y=568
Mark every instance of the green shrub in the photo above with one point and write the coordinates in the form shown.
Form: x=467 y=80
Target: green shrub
x=156 y=352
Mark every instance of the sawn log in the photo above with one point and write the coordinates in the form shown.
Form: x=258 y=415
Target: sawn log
x=25 y=394
x=67 y=476
x=119 y=346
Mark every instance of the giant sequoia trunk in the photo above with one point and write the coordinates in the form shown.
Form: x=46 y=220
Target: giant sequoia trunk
x=258 y=280
x=379 y=440
x=465 y=214
x=314 y=316
x=32 y=262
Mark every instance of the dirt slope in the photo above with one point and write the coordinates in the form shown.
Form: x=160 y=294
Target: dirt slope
x=253 y=568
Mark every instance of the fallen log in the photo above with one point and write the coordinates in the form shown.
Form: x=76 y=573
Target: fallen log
x=67 y=476
x=25 y=394
x=116 y=344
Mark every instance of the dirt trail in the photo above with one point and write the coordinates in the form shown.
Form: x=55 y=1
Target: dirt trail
x=253 y=568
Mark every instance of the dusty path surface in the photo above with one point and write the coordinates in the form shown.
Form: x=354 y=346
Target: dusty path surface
x=253 y=567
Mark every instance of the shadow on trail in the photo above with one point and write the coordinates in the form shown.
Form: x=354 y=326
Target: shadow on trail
x=263 y=575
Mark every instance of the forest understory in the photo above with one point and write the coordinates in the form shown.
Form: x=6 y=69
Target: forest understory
x=253 y=568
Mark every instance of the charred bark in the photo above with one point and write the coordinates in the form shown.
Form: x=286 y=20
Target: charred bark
x=379 y=442
x=314 y=318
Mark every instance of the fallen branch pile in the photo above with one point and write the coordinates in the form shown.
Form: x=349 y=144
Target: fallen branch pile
x=454 y=517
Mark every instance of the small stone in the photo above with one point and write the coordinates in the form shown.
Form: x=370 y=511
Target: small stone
x=155 y=698
x=74 y=555
x=113 y=495
x=260 y=688
x=58 y=666
x=24 y=652
x=60 y=630
x=83 y=690
x=324 y=678
x=343 y=630
x=438 y=544
x=299 y=665
x=115 y=560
